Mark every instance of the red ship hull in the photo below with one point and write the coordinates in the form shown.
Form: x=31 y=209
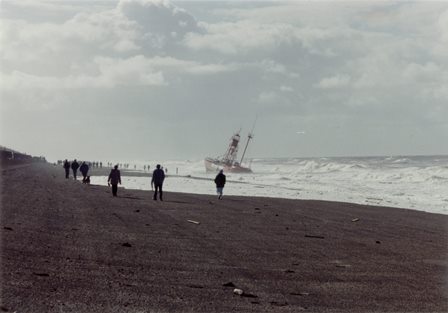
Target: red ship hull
x=214 y=165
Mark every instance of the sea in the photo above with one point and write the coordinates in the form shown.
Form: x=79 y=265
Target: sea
x=411 y=182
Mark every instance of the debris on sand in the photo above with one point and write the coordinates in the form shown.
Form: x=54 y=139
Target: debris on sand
x=194 y=222
x=301 y=293
x=241 y=293
x=238 y=291
x=343 y=265
x=41 y=274
x=315 y=236
x=355 y=219
x=283 y=303
x=249 y=295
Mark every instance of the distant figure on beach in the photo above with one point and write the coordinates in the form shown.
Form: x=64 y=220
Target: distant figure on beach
x=158 y=176
x=67 y=168
x=220 y=181
x=75 y=166
x=84 y=169
x=114 y=180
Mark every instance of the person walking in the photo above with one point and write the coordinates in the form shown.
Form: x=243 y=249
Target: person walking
x=158 y=176
x=67 y=168
x=220 y=181
x=84 y=169
x=75 y=166
x=114 y=180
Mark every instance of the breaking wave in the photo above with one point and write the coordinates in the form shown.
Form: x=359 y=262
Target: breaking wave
x=419 y=183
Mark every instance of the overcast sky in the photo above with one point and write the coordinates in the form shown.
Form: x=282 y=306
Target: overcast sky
x=146 y=79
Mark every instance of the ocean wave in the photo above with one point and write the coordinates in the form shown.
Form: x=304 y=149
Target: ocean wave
x=401 y=161
x=437 y=178
x=404 y=181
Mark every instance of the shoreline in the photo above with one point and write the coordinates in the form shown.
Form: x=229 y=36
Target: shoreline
x=184 y=188
x=74 y=248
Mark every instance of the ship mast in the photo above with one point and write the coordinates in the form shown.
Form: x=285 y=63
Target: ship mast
x=249 y=137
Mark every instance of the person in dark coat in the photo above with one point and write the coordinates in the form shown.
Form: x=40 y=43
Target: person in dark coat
x=84 y=169
x=114 y=180
x=220 y=181
x=158 y=176
x=67 y=168
x=75 y=166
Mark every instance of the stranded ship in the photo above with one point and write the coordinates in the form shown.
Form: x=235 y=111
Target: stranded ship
x=228 y=162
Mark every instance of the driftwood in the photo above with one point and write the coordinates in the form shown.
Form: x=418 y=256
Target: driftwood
x=315 y=236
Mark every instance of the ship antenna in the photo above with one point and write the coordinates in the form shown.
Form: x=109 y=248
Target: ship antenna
x=249 y=137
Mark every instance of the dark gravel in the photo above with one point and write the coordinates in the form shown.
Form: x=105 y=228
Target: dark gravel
x=69 y=247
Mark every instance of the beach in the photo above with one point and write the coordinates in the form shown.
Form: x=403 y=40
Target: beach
x=72 y=247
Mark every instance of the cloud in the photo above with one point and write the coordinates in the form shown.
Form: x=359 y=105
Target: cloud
x=134 y=71
x=442 y=25
x=336 y=81
x=271 y=66
x=159 y=21
x=133 y=27
x=286 y=88
x=104 y=49
x=240 y=37
x=422 y=72
x=213 y=65
x=268 y=97
x=113 y=72
x=126 y=45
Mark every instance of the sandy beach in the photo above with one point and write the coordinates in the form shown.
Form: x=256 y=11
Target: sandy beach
x=70 y=247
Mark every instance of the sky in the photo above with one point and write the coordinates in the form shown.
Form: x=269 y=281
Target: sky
x=147 y=79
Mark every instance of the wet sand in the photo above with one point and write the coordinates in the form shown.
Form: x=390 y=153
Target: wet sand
x=69 y=247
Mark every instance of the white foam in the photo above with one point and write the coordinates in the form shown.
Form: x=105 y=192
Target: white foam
x=419 y=183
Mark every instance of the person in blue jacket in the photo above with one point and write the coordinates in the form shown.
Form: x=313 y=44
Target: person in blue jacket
x=75 y=166
x=220 y=181
x=84 y=168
